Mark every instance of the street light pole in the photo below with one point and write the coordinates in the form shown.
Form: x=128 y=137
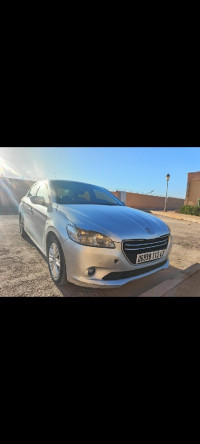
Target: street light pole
x=167 y=178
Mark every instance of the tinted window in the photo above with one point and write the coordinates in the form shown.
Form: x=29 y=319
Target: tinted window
x=65 y=192
x=43 y=192
x=33 y=190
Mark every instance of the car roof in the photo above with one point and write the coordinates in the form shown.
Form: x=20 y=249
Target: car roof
x=72 y=181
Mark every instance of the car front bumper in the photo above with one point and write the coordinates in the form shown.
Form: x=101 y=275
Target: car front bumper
x=80 y=258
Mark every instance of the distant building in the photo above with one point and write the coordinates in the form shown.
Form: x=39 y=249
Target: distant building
x=193 y=189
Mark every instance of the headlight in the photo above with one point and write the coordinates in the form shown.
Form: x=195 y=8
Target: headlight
x=90 y=238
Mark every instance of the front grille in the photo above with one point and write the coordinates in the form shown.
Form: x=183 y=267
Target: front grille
x=126 y=274
x=137 y=246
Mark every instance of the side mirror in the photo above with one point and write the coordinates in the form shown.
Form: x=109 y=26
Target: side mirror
x=37 y=200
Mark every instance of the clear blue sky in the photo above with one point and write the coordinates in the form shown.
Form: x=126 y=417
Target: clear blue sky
x=130 y=169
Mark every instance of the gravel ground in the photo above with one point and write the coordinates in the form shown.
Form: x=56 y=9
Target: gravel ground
x=24 y=271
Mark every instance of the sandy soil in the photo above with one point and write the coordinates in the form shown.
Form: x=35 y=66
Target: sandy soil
x=24 y=271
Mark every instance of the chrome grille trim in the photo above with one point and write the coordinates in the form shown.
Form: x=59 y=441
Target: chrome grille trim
x=144 y=248
x=133 y=247
x=149 y=243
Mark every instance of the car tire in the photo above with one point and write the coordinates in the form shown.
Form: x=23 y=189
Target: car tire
x=56 y=261
x=21 y=226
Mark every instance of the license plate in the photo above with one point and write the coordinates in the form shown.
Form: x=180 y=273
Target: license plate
x=151 y=256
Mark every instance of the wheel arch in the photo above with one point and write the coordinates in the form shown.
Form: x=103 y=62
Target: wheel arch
x=52 y=231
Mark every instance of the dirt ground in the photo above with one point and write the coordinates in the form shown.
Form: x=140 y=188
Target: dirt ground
x=24 y=271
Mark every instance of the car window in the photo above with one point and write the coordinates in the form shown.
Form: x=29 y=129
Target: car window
x=84 y=195
x=43 y=192
x=33 y=190
x=67 y=192
x=100 y=195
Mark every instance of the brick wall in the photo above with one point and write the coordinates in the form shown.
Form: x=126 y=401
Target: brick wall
x=147 y=202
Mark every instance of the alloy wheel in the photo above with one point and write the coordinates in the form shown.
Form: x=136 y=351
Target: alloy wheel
x=54 y=260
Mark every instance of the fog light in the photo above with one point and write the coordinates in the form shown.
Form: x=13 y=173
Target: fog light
x=91 y=271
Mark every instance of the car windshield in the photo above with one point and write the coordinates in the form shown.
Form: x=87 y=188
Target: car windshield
x=66 y=192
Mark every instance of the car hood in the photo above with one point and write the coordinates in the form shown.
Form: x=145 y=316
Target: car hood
x=117 y=222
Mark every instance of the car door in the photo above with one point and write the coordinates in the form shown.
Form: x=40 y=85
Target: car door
x=26 y=206
x=39 y=216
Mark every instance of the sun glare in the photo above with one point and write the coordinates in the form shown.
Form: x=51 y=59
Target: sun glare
x=5 y=168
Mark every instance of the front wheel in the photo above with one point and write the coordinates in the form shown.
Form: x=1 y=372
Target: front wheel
x=56 y=261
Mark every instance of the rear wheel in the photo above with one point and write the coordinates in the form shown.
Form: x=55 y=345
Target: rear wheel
x=56 y=261
x=21 y=226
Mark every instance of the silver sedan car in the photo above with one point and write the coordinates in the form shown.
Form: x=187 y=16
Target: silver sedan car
x=90 y=238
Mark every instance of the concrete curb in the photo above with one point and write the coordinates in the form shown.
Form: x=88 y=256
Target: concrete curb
x=161 y=289
x=174 y=215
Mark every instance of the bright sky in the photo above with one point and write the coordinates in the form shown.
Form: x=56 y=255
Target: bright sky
x=139 y=170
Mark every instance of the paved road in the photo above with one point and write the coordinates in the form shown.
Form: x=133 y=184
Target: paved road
x=24 y=272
